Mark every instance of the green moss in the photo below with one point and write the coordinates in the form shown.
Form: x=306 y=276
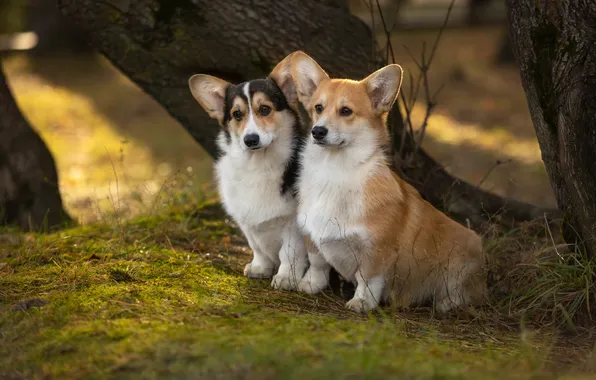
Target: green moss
x=164 y=297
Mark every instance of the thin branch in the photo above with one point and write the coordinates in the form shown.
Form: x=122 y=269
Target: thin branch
x=409 y=124
x=422 y=80
x=430 y=101
x=498 y=163
x=389 y=45
x=432 y=54
x=369 y=6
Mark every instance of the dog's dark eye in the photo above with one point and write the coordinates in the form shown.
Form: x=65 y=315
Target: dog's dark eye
x=345 y=111
x=264 y=110
x=319 y=108
x=237 y=115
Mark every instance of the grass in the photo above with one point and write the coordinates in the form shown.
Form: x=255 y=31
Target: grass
x=164 y=297
x=535 y=278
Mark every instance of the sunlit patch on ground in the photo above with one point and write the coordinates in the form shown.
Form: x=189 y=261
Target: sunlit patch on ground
x=497 y=141
x=114 y=147
x=493 y=158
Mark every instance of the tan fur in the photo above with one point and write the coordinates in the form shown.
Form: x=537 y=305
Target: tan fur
x=418 y=249
x=269 y=122
x=415 y=244
x=337 y=93
x=234 y=125
x=202 y=84
x=282 y=75
x=308 y=243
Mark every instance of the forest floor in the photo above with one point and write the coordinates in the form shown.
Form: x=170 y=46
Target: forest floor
x=164 y=297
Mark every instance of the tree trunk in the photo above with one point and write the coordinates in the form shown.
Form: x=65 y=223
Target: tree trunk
x=29 y=195
x=54 y=33
x=159 y=44
x=555 y=47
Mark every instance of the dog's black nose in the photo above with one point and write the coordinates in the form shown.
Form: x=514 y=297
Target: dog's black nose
x=319 y=133
x=251 y=140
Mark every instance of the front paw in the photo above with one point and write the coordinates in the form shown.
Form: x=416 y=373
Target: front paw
x=313 y=283
x=360 y=305
x=446 y=305
x=252 y=270
x=284 y=282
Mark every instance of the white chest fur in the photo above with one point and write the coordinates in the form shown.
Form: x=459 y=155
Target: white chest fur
x=249 y=186
x=331 y=207
x=250 y=189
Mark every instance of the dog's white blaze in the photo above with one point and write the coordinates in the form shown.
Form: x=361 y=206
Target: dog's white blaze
x=265 y=138
x=321 y=122
x=251 y=125
x=333 y=137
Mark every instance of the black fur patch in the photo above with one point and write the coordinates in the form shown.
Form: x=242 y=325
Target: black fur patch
x=269 y=88
x=293 y=166
x=231 y=93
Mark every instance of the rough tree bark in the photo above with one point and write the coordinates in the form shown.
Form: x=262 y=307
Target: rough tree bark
x=54 y=33
x=555 y=47
x=159 y=44
x=29 y=195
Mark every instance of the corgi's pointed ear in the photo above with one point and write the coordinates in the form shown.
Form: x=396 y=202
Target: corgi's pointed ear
x=383 y=86
x=307 y=75
x=282 y=76
x=210 y=92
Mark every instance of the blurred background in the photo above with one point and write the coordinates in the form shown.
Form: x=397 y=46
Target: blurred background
x=118 y=152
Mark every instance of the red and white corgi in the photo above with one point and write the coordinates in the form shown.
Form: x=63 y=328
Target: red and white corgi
x=358 y=216
x=260 y=142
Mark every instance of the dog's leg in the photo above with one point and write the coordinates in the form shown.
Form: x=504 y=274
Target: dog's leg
x=368 y=292
x=261 y=266
x=293 y=258
x=316 y=278
x=465 y=285
x=452 y=294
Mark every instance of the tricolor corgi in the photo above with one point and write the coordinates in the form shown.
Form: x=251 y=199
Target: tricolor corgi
x=359 y=217
x=260 y=141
